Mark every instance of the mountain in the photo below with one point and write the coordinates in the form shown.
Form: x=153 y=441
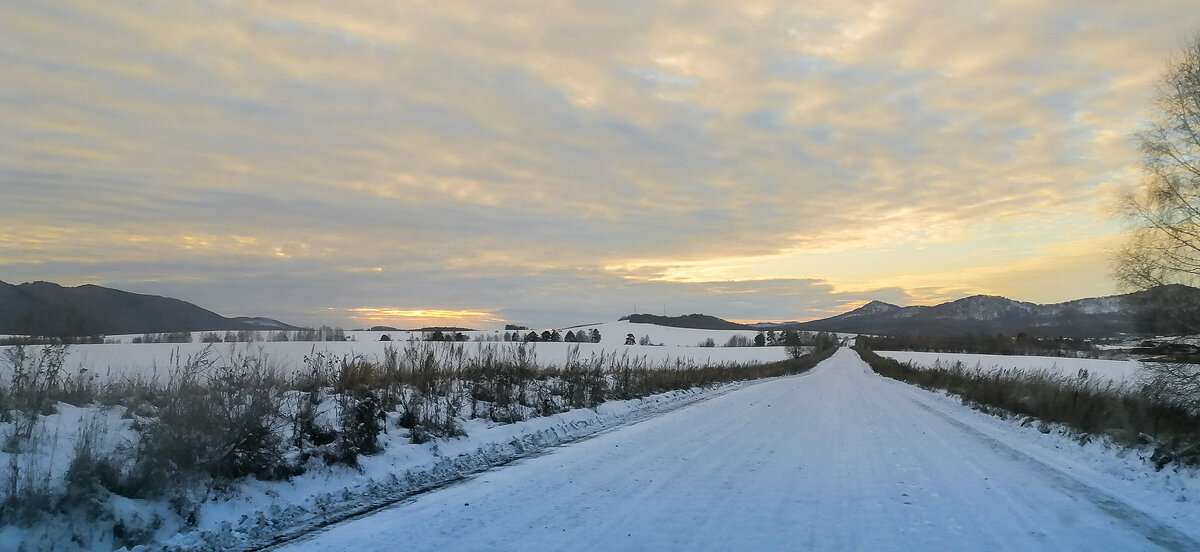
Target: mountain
x=693 y=321
x=44 y=308
x=1158 y=311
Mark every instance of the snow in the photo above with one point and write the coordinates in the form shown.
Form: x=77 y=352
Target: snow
x=1116 y=371
x=835 y=459
x=108 y=362
x=838 y=458
x=403 y=468
x=1100 y=305
x=253 y=512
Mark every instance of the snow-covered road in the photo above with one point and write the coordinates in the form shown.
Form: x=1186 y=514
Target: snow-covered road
x=836 y=459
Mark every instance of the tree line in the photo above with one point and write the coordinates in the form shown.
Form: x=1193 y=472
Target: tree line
x=997 y=344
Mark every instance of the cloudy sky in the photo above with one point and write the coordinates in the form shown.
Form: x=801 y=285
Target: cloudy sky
x=549 y=163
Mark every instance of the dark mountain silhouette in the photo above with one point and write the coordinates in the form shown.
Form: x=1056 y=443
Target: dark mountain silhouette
x=693 y=321
x=1164 y=310
x=48 y=309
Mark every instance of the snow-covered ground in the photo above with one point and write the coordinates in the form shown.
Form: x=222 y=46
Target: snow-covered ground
x=836 y=459
x=254 y=512
x=148 y=360
x=1116 y=371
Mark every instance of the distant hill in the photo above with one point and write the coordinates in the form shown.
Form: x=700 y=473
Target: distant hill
x=692 y=321
x=1158 y=311
x=44 y=308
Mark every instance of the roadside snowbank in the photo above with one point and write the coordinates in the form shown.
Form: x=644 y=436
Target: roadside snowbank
x=254 y=513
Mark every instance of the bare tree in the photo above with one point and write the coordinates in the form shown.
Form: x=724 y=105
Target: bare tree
x=1164 y=216
x=1164 y=210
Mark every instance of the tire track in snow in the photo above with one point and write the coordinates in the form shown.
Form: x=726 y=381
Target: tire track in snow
x=839 y=460
x=1144 y=523
x=1153 y=529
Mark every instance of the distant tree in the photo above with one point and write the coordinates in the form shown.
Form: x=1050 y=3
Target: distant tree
x=531 y=337
x=630 y=340
x=645 y=340
x=737 y=340
x=708 y=343
x=385 y=337
x=825 y=341
x=793 y=344
x=459 y=336
x=760 y=340
x=326 y=333
x=772 y=339
x=570 y=337
x=437 y=335
x=507 y=336
x=555 y=336
x=547 y=336
x=595 y=335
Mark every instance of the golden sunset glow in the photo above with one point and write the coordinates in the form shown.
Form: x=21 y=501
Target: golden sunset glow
x=569 y=161
x=383 y=315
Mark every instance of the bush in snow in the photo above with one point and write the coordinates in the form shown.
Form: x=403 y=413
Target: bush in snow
x=34 y=379
x=361 y=412
x=214 y=419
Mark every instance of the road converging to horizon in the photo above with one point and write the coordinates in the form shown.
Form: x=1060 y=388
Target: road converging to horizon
x=835 y=459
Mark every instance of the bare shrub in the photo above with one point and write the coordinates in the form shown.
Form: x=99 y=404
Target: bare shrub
x=92 y=473
x=26 y=490
x=216 y=419
x=34 y=378
x=1175 y=383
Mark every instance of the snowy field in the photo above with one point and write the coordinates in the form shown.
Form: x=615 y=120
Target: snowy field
x=126 y=359
x=835 y=459
x=1116 y=371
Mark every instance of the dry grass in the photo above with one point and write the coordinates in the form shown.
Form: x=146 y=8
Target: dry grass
x=1129 y=415
x=217 y=419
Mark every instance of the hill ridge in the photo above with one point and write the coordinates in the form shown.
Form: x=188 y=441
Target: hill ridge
x=1106 y=316
x=49 y=309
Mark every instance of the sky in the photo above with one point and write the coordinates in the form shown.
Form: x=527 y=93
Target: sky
x=553 y=163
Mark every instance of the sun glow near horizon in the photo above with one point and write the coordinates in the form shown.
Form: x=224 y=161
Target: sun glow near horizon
x=567 y=161
x=425 y=317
